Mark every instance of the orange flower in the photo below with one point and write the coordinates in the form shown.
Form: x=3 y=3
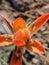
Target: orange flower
x=22 y=35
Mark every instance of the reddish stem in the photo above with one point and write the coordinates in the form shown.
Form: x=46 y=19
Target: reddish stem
x=16 y=57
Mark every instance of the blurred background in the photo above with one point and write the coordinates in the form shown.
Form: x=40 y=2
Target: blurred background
x=29 y=10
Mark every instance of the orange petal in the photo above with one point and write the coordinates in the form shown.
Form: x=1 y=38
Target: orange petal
x=18 y=34
x=37 y=47
x=38 y=23
x=19 y=23
x=19 y=42
x=23 y=34
x=35 y=50
x=26 y=34
x=4 y=41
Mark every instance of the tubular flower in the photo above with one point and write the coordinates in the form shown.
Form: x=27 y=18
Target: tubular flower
x=22 y=36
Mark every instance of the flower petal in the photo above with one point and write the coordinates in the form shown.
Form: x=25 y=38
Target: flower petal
x=19 y=42
x=4 y=41
x=37 y=47
x=19 y=23
x=38 y=23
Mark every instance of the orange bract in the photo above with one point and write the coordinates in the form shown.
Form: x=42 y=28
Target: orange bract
x=36 y=47
x=19 y=42
x=21 y=36
x=19 y=23
x=4 y=41
x=39 y=46
x=38 y=23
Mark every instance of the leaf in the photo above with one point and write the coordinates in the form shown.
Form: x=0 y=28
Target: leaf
x=19 y=23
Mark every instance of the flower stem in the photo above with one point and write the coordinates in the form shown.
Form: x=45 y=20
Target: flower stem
x=16 y=57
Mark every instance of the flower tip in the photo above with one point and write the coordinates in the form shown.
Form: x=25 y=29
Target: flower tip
x=19 y=23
